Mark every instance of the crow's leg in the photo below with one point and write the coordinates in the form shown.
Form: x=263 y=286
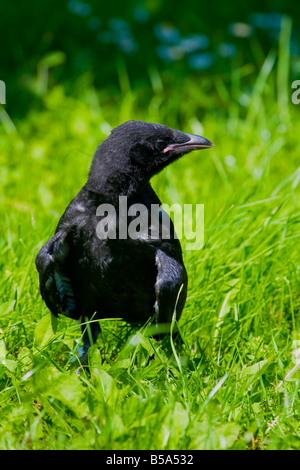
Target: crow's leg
x=90 y=331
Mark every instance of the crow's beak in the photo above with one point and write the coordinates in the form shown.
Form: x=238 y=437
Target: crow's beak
x=195 y=142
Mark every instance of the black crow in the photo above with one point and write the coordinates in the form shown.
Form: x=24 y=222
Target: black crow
x=91 y=271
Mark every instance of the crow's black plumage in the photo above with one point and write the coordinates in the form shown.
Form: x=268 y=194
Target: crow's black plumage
x=84 y=275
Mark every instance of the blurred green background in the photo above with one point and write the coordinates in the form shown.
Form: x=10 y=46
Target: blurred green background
x=110 y=45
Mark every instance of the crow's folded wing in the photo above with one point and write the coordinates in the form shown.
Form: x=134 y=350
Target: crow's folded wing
x=170 y=287
x=53 y=266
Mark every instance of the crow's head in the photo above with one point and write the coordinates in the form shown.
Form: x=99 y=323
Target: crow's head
x=135 y=151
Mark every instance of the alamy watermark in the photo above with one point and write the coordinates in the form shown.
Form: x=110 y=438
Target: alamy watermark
x=2 y=92
x=139 y=222
x=296 y=93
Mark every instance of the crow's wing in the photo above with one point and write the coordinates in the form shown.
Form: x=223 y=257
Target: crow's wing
x=52 y=263
x=170 y=287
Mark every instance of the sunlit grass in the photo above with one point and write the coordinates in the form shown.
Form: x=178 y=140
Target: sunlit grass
x=230 y=385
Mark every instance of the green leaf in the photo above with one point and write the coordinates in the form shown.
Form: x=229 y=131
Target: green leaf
x=65 y=387
x=177 y=423
x=102 y=381
x=227 y=434
x=45 y=330
x=107 y=383
x=2 y=350
x=7 y=307
x=256 y=368
x=10 y=364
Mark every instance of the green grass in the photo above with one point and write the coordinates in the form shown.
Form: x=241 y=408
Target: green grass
x=234 y=384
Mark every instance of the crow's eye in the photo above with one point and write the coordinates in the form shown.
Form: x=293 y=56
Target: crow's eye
x=160 y=145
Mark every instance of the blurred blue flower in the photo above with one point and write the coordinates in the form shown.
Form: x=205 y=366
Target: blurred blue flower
x=169 y=54
x=226 y=49
x=120 y=35
x=118 y=24
x=94 y=23
x=167 y=33
x=274 y=20
x=194 y=42
x=79 y=8
x=266 y=20
x=258 y=19
x=128 y=45
x=240 y=30
x=141 y=14
x=201 y=61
